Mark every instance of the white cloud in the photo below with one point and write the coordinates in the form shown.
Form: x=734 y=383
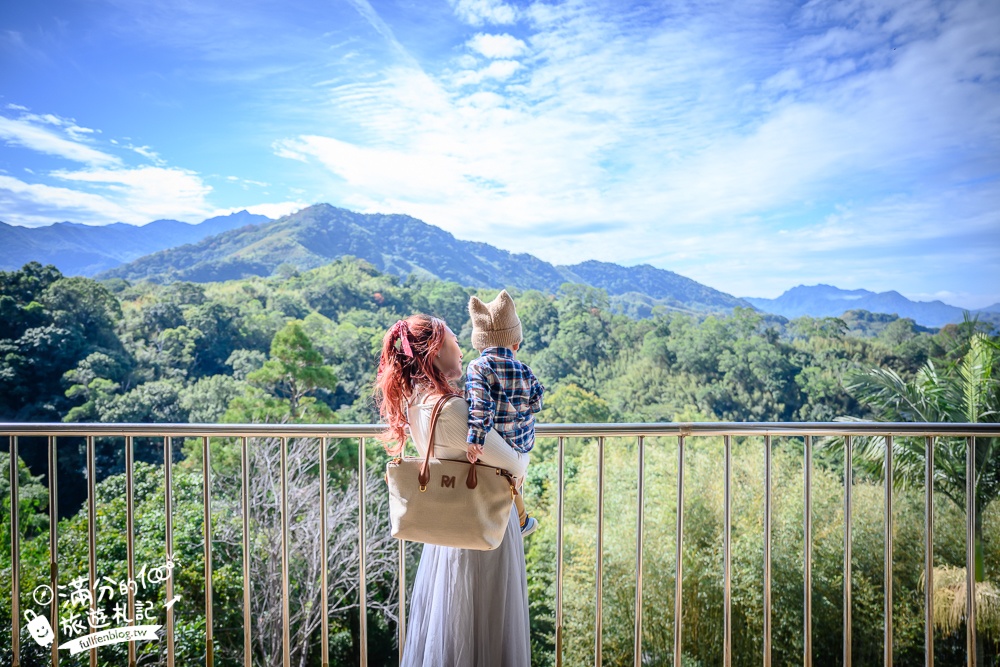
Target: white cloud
x=273 y=211
x=368 y=12
x=147 y=193
x=29 y=135
x=691 y=141
x=247 y=183
x=285 y=150
x=497 y=46
x=148 y=153
x=103 y=195
x=498 y=70
x=408 y=176
x=79 y=133
x=479 y=12
x=36 y=204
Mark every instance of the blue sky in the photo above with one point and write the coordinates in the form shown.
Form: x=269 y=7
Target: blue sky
x=751 y=145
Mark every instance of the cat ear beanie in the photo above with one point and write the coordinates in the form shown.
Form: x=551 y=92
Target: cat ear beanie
x=494 y=324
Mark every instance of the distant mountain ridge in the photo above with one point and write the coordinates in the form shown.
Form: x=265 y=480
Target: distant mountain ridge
x=830 y=301
x=662 y=286
x=402 y=245
x=85 y=250
x=244 y=244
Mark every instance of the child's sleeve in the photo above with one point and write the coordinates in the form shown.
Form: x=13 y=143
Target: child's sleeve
x=537 y=390
x=481 y=405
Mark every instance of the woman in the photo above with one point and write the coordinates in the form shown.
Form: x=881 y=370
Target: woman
x=468 y=608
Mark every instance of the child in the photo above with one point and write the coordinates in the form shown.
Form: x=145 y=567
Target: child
x=503 y=393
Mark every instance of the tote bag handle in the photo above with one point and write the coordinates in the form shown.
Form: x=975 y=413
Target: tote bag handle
x=424 y=475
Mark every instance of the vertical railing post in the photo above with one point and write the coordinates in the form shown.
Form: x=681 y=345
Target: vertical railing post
x=401 y=640
x=324 y=554
x=286 y=635
x=679 y=564
x=887 y=564
x=560 y=507
x=848 y=544
x=130 y=535
x=168 y=514
x=970 y=551
x=54 y=547
x=15 y=554
x=727 y=553
x=929 y=552
x=599 y=607
x=206 y=451
x=92 y=533
x=362 y=583
x=768 y=514
x=640 y=508
x=245 y=516
x=807 y=552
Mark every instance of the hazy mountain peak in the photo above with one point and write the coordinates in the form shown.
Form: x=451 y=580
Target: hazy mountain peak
x=830 y=301
x=825 y=291
x=78 y=249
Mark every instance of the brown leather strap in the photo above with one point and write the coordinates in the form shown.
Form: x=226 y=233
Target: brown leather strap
x=424 y=475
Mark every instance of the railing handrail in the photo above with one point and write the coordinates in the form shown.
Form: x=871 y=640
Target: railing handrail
x=61 y=429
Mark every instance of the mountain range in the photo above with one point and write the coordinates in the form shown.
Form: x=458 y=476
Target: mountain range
x=85 y=250
x=830 y=301
x=402 y=245
x=243 y=244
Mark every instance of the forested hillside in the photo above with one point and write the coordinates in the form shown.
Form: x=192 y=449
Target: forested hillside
x=301 y=347
x=82 y=350
x=401 y=245
x=76 y=349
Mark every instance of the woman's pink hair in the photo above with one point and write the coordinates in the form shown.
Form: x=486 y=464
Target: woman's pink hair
x=409 y=349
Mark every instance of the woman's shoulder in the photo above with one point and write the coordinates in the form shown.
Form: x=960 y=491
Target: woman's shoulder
x=454 y=412
x=456 y=404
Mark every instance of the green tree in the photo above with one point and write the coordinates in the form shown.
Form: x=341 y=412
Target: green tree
x=220 y=324
x=573 y=404
x=294 y=371
x=965 y=391
x=33 y=499
x=207 y=399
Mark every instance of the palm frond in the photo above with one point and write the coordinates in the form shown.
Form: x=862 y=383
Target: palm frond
x=891 y=396
x=976 y=371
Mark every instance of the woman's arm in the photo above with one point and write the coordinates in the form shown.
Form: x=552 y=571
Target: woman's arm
x=450 y=443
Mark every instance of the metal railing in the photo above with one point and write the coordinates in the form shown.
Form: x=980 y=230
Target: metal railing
x=681 y=431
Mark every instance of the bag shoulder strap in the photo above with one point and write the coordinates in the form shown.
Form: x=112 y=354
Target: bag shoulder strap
x=424 y=475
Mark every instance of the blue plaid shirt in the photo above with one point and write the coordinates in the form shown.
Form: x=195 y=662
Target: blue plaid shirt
x=503 y=394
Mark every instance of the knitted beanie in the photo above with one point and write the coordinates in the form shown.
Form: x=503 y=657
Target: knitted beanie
x=494 y=324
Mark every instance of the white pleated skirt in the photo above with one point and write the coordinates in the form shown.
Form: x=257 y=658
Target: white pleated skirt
x=470 y=608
